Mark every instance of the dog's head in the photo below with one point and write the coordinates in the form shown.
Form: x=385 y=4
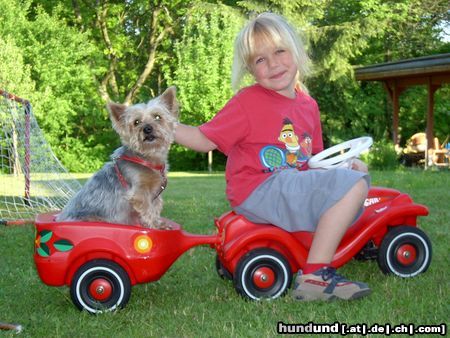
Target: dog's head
x=147 y=128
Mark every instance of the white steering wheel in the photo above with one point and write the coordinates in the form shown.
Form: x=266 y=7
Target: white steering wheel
x=348 y=151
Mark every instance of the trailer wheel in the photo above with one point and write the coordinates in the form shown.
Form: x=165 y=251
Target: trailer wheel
x=405 y=251
x=100 y=286
x=262 y=273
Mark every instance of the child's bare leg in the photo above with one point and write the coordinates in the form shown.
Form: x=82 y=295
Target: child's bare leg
x=318 y=281
x=334 y=223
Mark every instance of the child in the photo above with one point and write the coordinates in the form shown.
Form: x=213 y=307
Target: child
x=276 y=111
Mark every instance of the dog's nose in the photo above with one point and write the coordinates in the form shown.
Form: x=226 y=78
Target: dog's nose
x=148 y=129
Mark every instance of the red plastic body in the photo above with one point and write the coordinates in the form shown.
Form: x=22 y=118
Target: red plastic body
x=145 y=254
x=385 y=208
x=61 y=248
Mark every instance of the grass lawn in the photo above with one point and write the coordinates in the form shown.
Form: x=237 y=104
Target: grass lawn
x=190 y=300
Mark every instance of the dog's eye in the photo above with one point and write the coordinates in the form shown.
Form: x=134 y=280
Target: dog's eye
x=157 y=117
x=137 y=122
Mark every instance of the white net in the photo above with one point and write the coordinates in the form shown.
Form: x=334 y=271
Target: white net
x=32 y=180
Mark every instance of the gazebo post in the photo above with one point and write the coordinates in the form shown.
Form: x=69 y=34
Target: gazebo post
x=396 y=108
x=394 y=91
x=431 y=89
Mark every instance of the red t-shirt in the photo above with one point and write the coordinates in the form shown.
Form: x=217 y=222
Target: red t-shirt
x=262 y=131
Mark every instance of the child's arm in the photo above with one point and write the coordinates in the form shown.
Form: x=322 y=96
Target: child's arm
x=191 y=137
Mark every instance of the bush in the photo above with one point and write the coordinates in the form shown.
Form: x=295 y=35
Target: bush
x=382 y=156
x=183 y=159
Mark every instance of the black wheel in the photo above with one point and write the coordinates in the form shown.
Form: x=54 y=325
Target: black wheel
x=222 y=271
x=405 y=251
x=262 y=273
x=100 y=286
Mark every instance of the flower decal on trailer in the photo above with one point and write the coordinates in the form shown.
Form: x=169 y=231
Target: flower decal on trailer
x=45 y=241
x=41 y=239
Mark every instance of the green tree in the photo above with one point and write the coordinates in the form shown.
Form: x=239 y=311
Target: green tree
x=70 y=110
x=134 y=40
x=15 y=74
x=204 y=55
x=64 y=99
x=72 y=56
x=363 y=33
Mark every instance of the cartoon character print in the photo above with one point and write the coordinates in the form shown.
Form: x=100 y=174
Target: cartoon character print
x=290 y=140
x=306 y=146
x=296 y=153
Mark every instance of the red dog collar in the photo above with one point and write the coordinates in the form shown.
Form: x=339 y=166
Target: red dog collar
x=144 y=163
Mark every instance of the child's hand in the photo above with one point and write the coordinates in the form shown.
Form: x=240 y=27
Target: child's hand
x=359 y=165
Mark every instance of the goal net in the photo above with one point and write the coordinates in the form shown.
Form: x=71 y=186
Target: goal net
x=32 y=180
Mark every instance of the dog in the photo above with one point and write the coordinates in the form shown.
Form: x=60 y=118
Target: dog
x=128 y=189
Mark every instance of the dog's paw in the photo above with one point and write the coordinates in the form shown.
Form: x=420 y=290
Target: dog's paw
x=158 y=224
x=162 y=225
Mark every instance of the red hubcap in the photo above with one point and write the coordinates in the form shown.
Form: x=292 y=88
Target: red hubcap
x=100 y=289
x=406 y=254
x=263 y=277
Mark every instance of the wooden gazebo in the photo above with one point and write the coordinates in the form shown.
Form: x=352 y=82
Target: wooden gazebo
x=432 y=71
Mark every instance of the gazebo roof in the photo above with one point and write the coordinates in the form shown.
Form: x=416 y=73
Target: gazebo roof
x=410 y=71
x=432 y=71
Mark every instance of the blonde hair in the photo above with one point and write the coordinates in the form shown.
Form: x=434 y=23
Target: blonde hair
x=274 y=29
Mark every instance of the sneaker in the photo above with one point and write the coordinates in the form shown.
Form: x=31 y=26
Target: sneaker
x=326 y=284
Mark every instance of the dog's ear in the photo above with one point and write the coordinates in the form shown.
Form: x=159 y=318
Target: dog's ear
x=116 y=111
x=169 y=99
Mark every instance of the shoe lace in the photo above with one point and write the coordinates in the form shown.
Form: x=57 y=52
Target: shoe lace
x=330 y=273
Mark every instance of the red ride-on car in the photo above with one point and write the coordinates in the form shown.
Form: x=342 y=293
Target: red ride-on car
x=261 y=259
x=101 y=261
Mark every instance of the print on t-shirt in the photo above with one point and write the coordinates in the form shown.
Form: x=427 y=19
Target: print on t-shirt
x=296 y=153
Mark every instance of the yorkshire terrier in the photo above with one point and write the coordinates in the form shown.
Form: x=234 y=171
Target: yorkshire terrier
x=128 y=189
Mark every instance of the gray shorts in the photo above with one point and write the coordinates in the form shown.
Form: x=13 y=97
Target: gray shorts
x=295 y=200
